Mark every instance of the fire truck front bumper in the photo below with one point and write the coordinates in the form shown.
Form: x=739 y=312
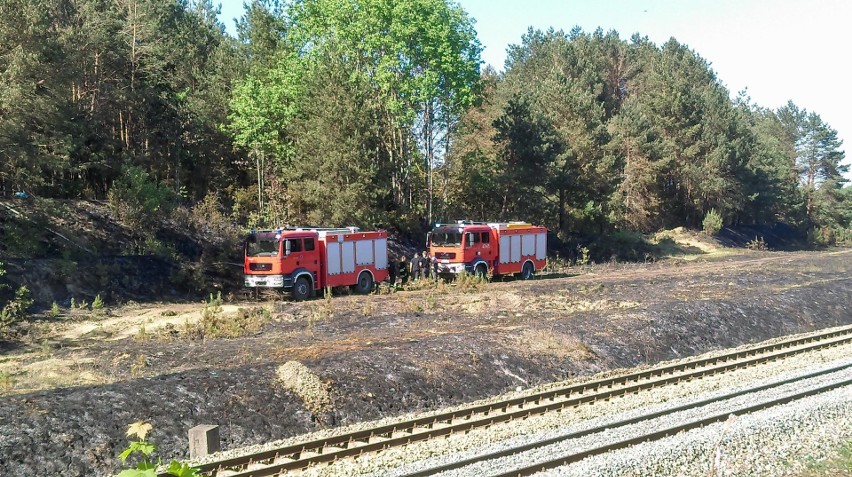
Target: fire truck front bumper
x=451 y=268
x=269 y=281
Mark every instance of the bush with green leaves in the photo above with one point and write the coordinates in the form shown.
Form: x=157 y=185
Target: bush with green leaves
x=140 y=200
x=712 y=223
x=15 y=309
x=146 y=466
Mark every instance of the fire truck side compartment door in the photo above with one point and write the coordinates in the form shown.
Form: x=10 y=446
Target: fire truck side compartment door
x=516 y=249
x=540 y=246
x=364 y=252
x=348 y=249
x=381 y=253
x=333 y=263
x=504 y=248
x=527 y=245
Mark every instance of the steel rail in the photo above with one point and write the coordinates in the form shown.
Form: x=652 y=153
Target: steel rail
x=615 y=425
x=302 y=455
x=695 y=424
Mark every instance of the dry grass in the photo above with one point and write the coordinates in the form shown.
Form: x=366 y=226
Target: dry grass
x=569 y=304
x=688 y=245
x=551 y=343
x=18 y=376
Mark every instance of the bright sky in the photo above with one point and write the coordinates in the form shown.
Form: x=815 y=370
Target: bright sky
x=778 y=49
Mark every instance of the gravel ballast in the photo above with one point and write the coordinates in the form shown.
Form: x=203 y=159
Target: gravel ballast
x=830 y=430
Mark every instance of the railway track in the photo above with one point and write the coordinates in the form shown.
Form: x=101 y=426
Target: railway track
x=305 y=454
x=659 y=433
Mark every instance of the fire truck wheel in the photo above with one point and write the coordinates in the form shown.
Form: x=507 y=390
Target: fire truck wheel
x=528 y=271
x=302 y=289
x=365 y=283
x=481 y=270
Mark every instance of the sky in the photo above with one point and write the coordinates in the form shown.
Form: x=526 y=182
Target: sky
x=777 y=50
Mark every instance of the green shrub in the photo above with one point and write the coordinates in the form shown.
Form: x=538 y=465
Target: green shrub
x=146 y=467
x=16 y=309
x=583 y=258
x=712 y=223
x=98 y=303
x=139 y=200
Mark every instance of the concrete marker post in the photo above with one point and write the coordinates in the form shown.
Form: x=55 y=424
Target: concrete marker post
x=203 y=440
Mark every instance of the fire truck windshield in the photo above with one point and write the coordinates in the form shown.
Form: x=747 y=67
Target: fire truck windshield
x=446 y=238
x=262 y=245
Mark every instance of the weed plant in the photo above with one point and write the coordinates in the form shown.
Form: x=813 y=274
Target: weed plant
x=468 y=283
x=143 y=450
x=321 y=311
x=214 y=325
x=757 y=244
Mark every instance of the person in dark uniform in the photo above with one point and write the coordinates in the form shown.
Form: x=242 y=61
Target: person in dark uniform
x=403 y=270
x=392 y=271
x=415 y=267
x=425 y=266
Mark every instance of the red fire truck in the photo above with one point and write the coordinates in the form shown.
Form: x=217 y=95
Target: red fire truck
x=479 y=247
x=304 y=260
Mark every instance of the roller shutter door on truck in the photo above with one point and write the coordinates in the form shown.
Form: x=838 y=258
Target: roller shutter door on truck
x=348 y=249
x=381 y=253
x=540 y=246
x=516 y=249
x=528 y=245
x=333 y=254
x=504 y=249
x=364 y=252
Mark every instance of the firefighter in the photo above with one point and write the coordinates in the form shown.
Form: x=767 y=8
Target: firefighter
x=403 y=270
x=425 y=266
x=415 y=267
x=392 y=271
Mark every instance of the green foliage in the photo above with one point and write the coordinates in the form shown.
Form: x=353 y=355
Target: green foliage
x=66 y=268
x=15 y=310
x=529 y=146
x=97 y=303
x=54 y=310
x=584 y=257
x=146 y=467
x=139 y=200
x=366 y=112
x=712 y=223
x=80 y=99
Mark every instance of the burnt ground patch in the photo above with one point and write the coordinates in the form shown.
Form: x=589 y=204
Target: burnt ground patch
x=418 y=350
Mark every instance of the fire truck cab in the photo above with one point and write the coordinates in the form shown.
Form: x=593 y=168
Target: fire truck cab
x=304 y=260
x=479 y=248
